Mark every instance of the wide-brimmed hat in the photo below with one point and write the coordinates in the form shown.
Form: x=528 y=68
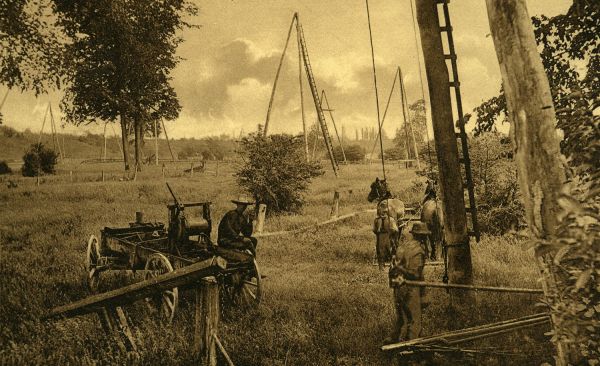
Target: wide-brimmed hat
x=420 y=228
x=243 y=200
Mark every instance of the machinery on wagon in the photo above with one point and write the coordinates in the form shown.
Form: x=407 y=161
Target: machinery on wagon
x=156 y=249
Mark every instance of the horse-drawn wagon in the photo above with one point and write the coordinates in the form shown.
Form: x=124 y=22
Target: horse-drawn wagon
x=157 y=249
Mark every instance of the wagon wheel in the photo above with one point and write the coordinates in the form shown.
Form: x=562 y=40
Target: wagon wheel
x=244 y=289
x=91 y=263
x=166 y=302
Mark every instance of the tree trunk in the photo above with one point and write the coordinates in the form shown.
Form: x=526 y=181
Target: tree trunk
x=124 y=141
x=460 y=268
x=535 y=140
x=137 y=126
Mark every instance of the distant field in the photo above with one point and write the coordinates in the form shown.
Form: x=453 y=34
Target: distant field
x=324 y=302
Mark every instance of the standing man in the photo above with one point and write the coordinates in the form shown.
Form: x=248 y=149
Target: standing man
x=235 y=228
x=408 y=265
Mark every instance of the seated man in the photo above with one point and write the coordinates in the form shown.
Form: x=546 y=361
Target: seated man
x=235 y=228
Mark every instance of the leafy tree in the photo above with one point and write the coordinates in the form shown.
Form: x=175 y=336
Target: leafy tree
x=31 y=45
x=37 y=160
x=570 y=52
x=122 y=54
x=275 y=170
x=353 y=153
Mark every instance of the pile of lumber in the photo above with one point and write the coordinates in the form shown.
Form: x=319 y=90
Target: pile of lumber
x=468 y=334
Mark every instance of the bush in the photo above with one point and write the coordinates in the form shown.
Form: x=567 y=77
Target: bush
x=275 y=170
x=353 y=153
x=500 y=209
x=4 y=168
x=37 y=160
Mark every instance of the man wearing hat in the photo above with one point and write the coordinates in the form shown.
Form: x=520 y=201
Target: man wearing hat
x=235 y=228
x=408 y=265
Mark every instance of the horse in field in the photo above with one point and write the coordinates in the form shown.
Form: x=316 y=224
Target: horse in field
x=388 y=222
x=432 y=215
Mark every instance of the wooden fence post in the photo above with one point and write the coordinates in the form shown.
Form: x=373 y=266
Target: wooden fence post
x=335 y=207
x=103 y=175
x=217 y=169
x=207 y=321
x=260 y=218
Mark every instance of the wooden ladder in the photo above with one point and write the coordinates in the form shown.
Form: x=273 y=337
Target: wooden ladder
x=461 y=134
x=315 y=94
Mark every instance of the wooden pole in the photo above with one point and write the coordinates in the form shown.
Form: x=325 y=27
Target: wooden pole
x=535 y=141
x=287 y=41
x=460 y=267
x=260 y=218
x=335 y=207
x=155 y=142
x=167 y=137
x=470 y=287
x=43 y=124
x=207 y=321
x=192 y=169
x=124 y=142
x=406 y=116
x=104 y=147
x=302 y=97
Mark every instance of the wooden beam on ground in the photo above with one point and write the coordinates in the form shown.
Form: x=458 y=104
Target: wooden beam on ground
x=182 y=278
x=470 y=334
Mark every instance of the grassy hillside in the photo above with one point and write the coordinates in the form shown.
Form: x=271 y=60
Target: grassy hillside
x=324 y=302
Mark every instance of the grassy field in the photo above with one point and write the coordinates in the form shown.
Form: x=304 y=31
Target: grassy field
x=324 y=302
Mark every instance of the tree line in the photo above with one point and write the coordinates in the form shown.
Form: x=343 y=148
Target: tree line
x=111 y=58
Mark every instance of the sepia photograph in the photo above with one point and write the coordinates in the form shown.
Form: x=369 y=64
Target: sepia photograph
x=300 y=182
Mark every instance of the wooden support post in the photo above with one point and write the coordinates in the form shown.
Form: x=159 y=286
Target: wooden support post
x=191 y=169
x=139 y=217
x=537 y=150
x=460 y=268
x=335 y=207
x=217 y=169
x=207 y=321
x=103 y=175
x=260 y=218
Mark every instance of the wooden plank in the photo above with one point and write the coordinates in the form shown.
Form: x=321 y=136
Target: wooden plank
x=182 y=278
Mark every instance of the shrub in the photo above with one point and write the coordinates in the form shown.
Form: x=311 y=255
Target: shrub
x=495 y=178
x=353 y=153
x=37 y=160
x=4 y=168
x=275 y=170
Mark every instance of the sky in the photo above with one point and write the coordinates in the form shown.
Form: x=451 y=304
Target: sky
x=224 y=82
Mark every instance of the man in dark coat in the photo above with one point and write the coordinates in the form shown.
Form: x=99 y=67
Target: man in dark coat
x=408 y=265
x=235 y=228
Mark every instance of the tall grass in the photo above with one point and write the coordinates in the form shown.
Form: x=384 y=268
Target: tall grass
x=324 y=302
